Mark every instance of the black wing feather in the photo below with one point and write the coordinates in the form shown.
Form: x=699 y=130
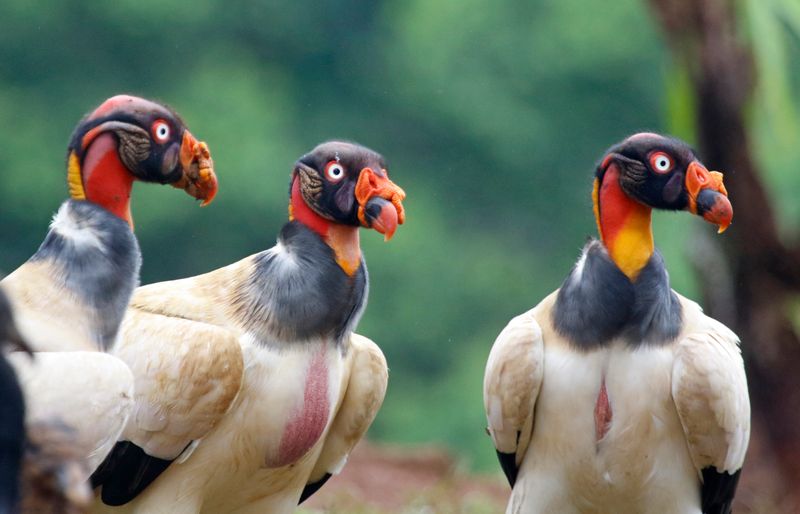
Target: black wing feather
x=313 y=487
x=508 y=461
x=126 y=472
x=718 y=490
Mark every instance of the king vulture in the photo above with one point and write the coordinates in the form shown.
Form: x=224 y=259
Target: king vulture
x=70 y=296
x=615 y=393
x=251 y=388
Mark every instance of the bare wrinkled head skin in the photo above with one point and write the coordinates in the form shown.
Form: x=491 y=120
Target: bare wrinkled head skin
x=349 y=184
x=664 y=173
x=153 y=143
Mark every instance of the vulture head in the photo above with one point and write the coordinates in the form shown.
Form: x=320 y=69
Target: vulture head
x=348 y=184
x=664 y=173
x=128 y=138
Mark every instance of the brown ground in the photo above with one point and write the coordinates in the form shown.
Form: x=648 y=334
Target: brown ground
x=393 y=479
x=385 y=479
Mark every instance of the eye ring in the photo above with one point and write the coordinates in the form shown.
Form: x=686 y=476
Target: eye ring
x=334 y=171
x=661 y=162
x=160 y=131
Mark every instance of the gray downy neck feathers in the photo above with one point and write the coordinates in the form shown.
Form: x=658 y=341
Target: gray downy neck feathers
x=297 y=291
x=96 y=257
x=597 y=303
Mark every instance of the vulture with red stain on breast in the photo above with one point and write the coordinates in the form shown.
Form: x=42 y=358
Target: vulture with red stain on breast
x=251 y=388
x=615 y=393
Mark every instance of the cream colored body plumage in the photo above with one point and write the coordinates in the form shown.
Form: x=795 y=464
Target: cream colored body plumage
x=251 y=388
x=685 y=413
x=238 y=411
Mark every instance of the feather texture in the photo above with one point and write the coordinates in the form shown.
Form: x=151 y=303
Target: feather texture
x=678 y=422
x=252 y=366
x=511 y=384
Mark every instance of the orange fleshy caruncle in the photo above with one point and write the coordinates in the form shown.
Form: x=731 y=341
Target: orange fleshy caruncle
x=199 y=179
x=715 y=207
x=373 y=185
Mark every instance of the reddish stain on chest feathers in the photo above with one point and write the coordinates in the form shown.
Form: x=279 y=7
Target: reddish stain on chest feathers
x=307 y=424
x=602 y=412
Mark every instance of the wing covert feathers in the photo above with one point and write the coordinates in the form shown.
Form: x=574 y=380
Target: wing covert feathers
x=709 y=389
x=360 y=403
x=187 y=375
x=511 y=385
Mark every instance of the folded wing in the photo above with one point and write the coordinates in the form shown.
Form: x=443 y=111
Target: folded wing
x=510 y=387
x=187 y=375
x=362 y=399
x=709 y=389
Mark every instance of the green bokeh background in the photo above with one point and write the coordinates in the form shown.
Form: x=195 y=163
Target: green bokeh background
x=490 y=113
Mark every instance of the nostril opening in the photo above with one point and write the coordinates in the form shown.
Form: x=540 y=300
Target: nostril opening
x=701 y=176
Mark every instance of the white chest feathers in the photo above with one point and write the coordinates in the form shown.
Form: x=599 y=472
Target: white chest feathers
x=606 y=420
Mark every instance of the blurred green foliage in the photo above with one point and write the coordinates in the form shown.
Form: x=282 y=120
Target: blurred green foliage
x=491 y=114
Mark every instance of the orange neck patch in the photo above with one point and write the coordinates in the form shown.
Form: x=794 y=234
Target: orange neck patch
x=624 y=224
x=107 y=182
x=343 y=239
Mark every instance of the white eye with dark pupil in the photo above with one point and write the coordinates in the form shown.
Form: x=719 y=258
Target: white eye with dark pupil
x=161 y=131
x=335 y=171
x=661 y=162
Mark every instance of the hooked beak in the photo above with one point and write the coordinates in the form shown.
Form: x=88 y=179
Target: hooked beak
x=380 y=202
x=707 y=196
x=199 y=179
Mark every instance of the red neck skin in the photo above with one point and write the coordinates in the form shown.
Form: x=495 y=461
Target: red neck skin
x=343 y=239
x=106 y=180
x=624 y=224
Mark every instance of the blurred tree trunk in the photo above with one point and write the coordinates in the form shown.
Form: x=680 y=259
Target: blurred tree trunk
x=765 y=272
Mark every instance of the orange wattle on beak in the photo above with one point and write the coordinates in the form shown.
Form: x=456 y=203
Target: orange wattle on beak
x=380 y=202
x=707 y=196
x=199 y=179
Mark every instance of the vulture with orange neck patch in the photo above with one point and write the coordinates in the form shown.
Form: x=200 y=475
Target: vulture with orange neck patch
x=251 y=387
x=70 y=296
x=615 y=393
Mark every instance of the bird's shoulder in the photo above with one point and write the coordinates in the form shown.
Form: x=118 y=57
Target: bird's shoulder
x=208 y=298
x=47 y=314
x=709 y=389
x=512 y=379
